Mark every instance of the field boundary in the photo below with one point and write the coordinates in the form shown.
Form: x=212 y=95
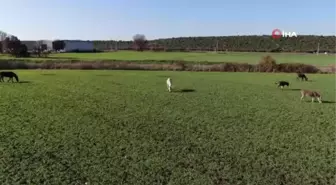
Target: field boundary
x=167 y=66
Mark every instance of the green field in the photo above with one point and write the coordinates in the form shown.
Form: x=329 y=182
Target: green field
x=123 y=127
x=253 y=58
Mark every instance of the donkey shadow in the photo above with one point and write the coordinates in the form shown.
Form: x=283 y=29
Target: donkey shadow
x=19 y=82
x=25 y=82
x=292 y=89
x=323 y=101
x=104 y=75
x=184 y=90
x=163 y=76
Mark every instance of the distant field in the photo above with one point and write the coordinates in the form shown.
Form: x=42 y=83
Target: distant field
x=253 y=58
x=122 y=127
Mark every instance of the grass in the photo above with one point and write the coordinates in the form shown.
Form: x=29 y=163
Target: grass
x=122 y=127
x=253 y=58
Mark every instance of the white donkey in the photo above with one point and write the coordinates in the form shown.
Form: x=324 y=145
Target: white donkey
x=169 y=84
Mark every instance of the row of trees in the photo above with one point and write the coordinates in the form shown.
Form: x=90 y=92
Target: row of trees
x=228 y=43
x=12 y=45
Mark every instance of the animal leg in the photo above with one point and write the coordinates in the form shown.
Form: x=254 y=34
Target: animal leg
x=10 y=79
x=313 y=100
x=319 y=100
x=302 y=97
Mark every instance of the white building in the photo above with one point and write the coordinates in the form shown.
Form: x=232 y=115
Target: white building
x=78 y=46
x=46 y=42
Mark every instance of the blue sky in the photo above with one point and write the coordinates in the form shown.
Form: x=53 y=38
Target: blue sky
x=121 y=19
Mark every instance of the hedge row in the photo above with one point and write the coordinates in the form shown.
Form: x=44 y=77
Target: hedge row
x=264 y=43
x=267 y=64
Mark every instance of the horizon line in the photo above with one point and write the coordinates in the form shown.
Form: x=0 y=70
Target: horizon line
x=163 y=38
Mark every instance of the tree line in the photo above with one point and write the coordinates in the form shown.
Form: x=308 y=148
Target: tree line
x=263 y=43
x=12 y=45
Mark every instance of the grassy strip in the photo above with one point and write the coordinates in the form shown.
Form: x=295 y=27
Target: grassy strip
x=62 y=127
x=165 y=65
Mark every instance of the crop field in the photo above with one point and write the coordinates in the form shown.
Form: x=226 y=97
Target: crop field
x=123 y=127
x=253 y=58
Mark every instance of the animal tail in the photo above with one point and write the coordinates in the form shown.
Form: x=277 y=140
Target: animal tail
x=16 y=77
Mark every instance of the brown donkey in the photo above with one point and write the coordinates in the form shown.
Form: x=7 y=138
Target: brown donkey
x=312 y=94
